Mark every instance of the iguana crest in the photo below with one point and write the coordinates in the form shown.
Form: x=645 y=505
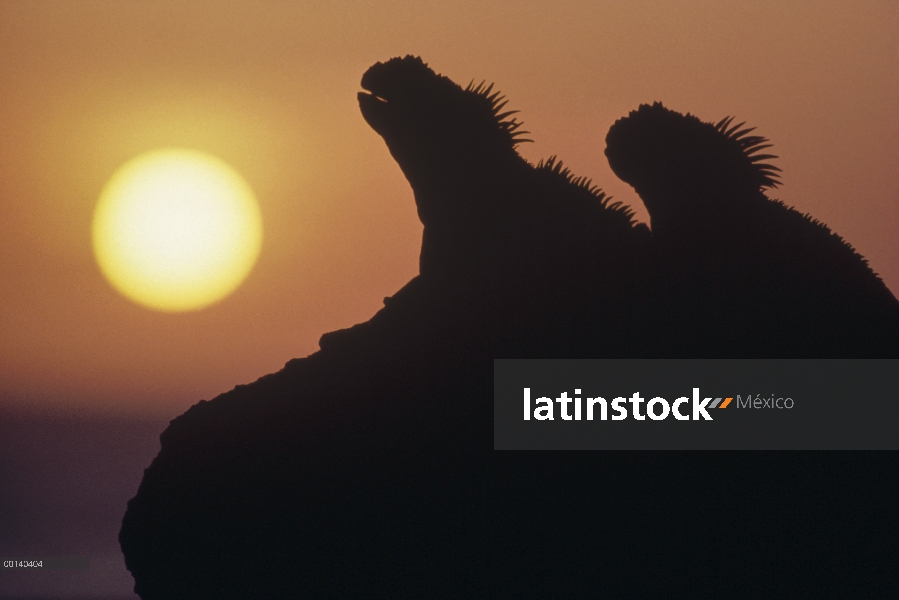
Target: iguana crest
x=434 y=127
x=407 y=88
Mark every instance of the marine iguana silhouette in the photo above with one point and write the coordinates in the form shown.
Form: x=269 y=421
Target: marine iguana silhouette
x=550 y=243
x=366 y=469
x=744 y=275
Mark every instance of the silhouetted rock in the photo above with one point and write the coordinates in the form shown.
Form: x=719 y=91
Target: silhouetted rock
x=366 y=470
x=743 y=275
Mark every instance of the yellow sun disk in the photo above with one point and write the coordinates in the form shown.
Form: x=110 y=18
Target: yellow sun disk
x=176 y=230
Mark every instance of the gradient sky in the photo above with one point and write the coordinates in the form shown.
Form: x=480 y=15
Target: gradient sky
x=270 y=87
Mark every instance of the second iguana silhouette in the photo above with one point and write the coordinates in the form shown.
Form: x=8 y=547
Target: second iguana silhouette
x=743 y=275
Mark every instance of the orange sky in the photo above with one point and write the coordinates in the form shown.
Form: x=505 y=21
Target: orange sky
x=270 y=87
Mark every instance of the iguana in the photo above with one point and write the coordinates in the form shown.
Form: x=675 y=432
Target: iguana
x=366 y=469
x=457 y=148
x=552 y=244
x=744 y=275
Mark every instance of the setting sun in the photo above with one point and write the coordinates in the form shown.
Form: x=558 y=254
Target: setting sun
x=176 y=230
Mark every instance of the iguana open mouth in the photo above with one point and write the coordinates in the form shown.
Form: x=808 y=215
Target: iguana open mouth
x=368 y=94
x=374 y=96
x=399 y=81
x=373 y=109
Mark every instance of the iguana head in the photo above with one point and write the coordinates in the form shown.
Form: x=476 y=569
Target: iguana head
x=680 y=165
x=443 y=136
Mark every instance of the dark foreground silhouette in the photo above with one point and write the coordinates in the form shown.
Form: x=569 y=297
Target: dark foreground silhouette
x=366 y=470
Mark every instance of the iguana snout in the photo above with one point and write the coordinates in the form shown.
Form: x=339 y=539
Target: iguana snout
x=399 y=85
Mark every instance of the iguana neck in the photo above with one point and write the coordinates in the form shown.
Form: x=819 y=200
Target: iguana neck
x=467 y=216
